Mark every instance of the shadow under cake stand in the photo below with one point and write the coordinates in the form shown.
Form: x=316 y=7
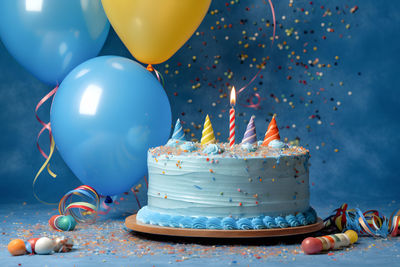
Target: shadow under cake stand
x=134 y=225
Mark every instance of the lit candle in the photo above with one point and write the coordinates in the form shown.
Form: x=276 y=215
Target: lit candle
x=232 y=118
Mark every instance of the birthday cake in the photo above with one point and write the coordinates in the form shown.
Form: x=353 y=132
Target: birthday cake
x=210 y=185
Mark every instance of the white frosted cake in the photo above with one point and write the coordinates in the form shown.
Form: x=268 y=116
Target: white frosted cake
x=216 y=186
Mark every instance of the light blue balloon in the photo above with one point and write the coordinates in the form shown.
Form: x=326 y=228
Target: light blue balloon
x=105 y=115
x=51 y=37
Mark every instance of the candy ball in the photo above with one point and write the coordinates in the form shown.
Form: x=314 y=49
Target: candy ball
x=353 y=236
x=52 y=222
x=30 y=245
x=63 y=244
x=62 y=222
x=44 y=245
x=65 y=223
x=311 y=245
x=17 y=247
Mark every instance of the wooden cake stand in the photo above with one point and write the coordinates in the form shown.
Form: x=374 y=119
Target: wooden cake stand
x=134 y=225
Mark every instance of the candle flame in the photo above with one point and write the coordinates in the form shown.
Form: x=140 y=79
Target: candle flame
x=233 y=96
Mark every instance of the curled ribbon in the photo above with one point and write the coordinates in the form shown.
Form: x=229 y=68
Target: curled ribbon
x=89 y=205
x=136 y=197
x=160 y=78
x=83 y=211
x=252 y=104
x=46 y=126
x=370 y=223
x=257 y=105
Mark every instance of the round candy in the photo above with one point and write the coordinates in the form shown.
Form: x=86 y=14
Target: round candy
x=62 y=222
x=17 y=247
x=311 y=245
x=63 y=244
x=353 y=236
x=65 y=223
x=52 y=222
x=30 y=245
x=44 y=245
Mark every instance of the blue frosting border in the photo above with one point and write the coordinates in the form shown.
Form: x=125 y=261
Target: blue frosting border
x=147 y=216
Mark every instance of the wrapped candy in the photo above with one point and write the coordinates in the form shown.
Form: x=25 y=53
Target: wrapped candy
x=313 y=245
x=63 y=244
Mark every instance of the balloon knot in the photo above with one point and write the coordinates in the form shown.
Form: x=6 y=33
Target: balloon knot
x=150 y=68
x=108 y=200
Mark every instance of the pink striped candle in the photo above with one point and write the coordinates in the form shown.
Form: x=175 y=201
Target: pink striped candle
x=232 y=118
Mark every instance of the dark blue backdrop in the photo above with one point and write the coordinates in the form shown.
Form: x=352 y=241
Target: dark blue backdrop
x=331 y=76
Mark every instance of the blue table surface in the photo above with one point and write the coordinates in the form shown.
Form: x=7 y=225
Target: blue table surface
x=108 y=242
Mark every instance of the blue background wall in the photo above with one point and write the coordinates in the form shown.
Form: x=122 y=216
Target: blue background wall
x=352 y=108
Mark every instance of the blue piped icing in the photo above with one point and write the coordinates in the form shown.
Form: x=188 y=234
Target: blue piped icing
x=164 y=220
x=200 y=223
x=276 y=144
x=186 y=222
x=301 y=219
x=258 y=223
x=292 y=220
x=229 y=223
x=189 y=146
x=175 y=221
x=212 y=149
x=214 y=223
x=269 y=222
x=145 y=215
x=244 y=224
x=281 y=222
x=154 y=218
x=310 y=215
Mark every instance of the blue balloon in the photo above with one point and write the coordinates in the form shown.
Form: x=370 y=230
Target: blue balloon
x=51 y=37
x=105 y=115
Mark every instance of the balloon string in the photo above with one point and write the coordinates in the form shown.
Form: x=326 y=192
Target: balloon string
x=257 y=105
x=251 y=81
x=46 y=126
x=273 y=19
x=160 y=78
x=46 y=163
x=137 y=199
x=147 y=184
x=252 y=104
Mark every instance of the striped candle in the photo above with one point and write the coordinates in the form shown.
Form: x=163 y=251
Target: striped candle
x=231 y=127
x=232 y=118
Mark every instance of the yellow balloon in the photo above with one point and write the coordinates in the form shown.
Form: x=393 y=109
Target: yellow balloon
x=153 y=30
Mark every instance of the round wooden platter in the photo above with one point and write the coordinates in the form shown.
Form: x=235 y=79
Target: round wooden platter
x=134 y=225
